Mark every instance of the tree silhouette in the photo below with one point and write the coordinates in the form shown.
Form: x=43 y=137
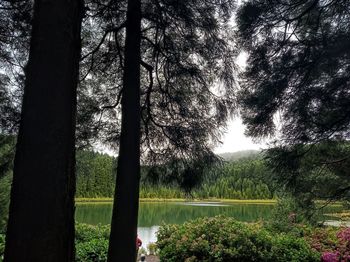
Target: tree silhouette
x=187 y=75
x=298 y=71
x=41 y=215
x=126 y=200
x=187 y=79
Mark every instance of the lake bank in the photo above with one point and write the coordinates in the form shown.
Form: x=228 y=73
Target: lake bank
x=106 y=200
x=209 y=200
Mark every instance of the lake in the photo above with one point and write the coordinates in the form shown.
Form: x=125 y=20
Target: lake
x=153 y=214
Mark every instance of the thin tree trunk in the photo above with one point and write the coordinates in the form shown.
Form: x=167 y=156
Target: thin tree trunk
x=122 y=243
x=41 y=217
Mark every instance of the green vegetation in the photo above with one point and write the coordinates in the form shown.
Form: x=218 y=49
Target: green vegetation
x=242 y=178
x=2 y=246
x=344 y=215
x=91 y=242
x=297 y=69
x=217 y=239
x=288 y=212
x=5 y=184
x=224 y=239
x=294 y=89
x=7 y=144
x=95 y=174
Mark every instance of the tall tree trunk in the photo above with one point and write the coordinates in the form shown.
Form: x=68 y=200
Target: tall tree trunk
x=41 y=217
x=122 y=243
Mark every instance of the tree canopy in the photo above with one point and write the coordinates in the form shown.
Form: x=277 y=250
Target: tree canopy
x=187 y=76
x=14 y=44
x=296 y=86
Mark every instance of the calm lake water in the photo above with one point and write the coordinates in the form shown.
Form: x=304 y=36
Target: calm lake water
x=153 y=214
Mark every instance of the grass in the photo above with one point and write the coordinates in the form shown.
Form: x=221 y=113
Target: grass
x=332 y=203
x=93 y=199
x=344 y=215
x=238 y=201
x=104 y=200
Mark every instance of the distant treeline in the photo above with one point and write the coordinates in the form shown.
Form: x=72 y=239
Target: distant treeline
x=95 y=174
x=240 y=179
x=243 y=175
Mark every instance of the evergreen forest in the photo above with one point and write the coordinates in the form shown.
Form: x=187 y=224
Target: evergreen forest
x=156 y=84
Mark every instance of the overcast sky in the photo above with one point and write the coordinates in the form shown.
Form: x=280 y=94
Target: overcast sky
x=235 y=140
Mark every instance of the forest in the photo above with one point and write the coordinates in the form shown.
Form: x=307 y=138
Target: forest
x=241 y=178
x=156 y=82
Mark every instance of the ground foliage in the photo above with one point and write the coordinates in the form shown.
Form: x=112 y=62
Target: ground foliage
x=6 y=166
x=254 y=240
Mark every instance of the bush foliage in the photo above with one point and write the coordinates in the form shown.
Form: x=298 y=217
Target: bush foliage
x=2 y=246
x=224 y=239
x=91 y=243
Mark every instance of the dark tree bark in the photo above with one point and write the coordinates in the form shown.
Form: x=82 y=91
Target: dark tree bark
x=41 y=217
x=122 y=243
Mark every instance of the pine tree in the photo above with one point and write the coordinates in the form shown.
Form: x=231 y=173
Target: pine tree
x=41 y=216
x=298 y=71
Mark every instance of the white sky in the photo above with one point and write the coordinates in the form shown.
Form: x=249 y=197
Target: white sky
x=235 y=140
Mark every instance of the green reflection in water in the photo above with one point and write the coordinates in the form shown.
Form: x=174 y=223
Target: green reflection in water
x=151 y=213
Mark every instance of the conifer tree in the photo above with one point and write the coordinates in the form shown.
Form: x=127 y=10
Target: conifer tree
x=41 y=216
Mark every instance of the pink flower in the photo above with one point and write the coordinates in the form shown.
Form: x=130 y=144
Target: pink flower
x=344 y=235
x=330 y=257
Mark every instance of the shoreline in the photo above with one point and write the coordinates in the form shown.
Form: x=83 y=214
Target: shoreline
x=108 y=200
x=159 y=200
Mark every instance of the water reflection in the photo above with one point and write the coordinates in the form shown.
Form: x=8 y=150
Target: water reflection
x=153 y=214
x=147 y=234
x=178 y=213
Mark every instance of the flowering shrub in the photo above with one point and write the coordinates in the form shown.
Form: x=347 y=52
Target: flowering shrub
x=334 y=243
x=344 y=235
x=322 y=239
x=343 y=247
x=224 y=239
x=330 y=257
